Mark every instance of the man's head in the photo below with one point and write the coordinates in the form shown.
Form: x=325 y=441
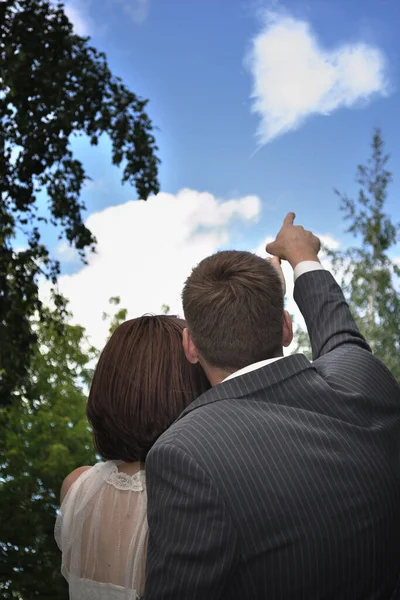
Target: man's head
x=233 y=305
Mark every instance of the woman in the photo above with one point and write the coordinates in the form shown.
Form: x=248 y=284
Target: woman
x=140 y=386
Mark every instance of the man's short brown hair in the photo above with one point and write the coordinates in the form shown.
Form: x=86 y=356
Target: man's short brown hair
x=233 y=304
x=141 y=384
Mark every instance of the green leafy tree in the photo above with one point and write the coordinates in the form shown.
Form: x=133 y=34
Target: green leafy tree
x=303 y=343
x=118 y=317
x=370 y=278
x=44 y=436
x=54 y=86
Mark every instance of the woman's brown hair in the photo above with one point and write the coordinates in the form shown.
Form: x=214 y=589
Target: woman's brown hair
x=141 y=384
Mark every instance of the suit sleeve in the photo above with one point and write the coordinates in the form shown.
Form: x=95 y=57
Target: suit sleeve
x=326 y=313
x=192 y=542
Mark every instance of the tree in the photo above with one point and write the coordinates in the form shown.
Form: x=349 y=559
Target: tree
x=303 y=344
x=44 y=436
x=117 y=318
x=53 y=87
x=370 y=278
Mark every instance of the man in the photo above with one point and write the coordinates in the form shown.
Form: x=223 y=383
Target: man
x=283 y=480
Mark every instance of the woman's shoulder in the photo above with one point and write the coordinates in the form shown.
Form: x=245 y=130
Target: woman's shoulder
x=70 y=480
x=131 y=477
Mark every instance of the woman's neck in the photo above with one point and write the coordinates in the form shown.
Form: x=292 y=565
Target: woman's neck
x=130 y=468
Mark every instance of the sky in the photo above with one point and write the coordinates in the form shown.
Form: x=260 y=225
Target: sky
x=261 y=107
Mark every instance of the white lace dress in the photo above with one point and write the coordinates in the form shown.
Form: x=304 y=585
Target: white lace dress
x=102 y=533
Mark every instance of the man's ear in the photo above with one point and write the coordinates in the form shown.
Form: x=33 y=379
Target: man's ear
x=287 y=337
x=189 y=347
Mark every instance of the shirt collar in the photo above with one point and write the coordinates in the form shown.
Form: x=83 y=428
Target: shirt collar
x=252 y=367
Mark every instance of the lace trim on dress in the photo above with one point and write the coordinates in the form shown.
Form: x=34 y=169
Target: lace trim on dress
x=124 y=482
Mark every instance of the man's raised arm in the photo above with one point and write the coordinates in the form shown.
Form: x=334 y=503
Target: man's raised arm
x=318 y=296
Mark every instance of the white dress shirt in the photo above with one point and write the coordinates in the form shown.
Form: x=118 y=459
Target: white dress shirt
x=303 y=267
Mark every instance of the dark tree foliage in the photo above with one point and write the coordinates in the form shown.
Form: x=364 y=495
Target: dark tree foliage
x=44 y=436
x=53 y=86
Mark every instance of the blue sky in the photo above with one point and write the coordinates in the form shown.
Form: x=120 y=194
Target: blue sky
x=199 y=62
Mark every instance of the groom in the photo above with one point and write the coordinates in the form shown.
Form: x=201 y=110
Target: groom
x=282 y=482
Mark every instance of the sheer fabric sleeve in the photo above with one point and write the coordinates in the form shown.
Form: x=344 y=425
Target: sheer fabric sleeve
x=102 y=531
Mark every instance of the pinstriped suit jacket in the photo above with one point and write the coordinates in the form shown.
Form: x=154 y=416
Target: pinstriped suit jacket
x=284 y=483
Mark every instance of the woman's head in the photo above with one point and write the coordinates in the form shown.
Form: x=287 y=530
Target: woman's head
x=141 y=384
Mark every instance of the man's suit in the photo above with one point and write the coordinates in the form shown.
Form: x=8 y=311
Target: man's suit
x=284 y=483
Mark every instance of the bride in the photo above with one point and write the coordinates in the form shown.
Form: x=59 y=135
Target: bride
x=140 y=386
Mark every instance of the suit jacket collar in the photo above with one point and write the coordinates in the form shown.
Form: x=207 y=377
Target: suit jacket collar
x=254 y=381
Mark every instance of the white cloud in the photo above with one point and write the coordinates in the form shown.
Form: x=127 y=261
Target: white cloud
x=18 y=249
x=146 y=250
x=295 y=77
x=77 y=13
x=260 y=250
x=66 y=253
x=329 y=241
x=138 y=10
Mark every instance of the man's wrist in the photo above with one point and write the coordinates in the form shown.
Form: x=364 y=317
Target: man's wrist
x=300 y=256
x=306 y=266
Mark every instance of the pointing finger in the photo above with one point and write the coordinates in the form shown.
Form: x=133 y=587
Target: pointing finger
x=288 y=220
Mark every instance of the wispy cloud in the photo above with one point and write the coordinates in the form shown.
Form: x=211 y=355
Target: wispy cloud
x=294 y=76
x=138 y=10
x=77 y=13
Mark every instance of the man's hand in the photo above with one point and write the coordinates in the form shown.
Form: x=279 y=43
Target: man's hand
x=294 y=244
